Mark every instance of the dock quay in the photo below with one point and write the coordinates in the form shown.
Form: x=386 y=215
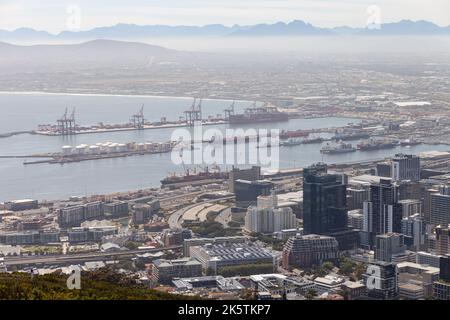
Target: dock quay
x=99 y=151
x=15 y=133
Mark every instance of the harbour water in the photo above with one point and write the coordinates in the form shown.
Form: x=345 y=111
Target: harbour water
x=43 y=181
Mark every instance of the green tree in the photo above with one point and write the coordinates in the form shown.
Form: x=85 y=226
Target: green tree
x=311 y=294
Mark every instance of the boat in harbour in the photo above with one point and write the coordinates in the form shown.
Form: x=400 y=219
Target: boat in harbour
x=338 y=147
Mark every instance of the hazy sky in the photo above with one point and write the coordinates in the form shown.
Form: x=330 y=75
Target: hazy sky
x=53 y=15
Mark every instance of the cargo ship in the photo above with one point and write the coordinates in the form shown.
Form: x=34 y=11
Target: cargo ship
x=291 y=142
x=312 y=140
x=189 y=176
x=339 y=147
x=409 y=142
x=375 y=145
x=295 y=142
x=346 y=136
x=293 y=134
x=255 y=114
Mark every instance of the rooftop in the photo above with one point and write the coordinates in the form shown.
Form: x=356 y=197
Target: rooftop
x=234 y=251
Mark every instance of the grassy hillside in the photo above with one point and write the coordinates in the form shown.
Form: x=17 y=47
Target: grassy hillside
x=99 y=285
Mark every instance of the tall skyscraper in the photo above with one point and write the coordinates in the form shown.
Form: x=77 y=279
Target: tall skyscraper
x=325 y=206
x=382 y=213
x=405 y=167
x=389 y=245
x=324 y=201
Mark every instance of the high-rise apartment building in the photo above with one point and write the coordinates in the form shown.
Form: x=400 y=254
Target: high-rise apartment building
x=383 y=213
x=414 y=229
x=405 y=167
x=267 y=217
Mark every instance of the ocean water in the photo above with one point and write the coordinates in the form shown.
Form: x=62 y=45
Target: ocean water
x=25 y=111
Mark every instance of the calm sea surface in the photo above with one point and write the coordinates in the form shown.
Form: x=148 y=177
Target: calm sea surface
x=44 y=181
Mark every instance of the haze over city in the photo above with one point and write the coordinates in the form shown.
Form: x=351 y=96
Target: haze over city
x=239 y=151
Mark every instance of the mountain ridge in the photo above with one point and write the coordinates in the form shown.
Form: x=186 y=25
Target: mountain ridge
x=292 y=28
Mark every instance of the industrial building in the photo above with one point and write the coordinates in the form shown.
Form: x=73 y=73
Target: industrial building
x=213 y=257
x=188 y=243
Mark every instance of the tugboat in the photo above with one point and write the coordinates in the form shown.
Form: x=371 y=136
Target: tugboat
x=339 y=147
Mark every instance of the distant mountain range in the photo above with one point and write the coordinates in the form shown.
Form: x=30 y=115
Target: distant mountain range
x=95 y=53
x=294 y=28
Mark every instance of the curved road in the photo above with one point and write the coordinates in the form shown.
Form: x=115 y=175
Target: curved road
x=175 y=218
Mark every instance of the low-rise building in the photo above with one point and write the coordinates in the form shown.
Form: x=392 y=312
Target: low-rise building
x=411 y=275
x=309 y=250
x=208 y=282
x=164 y=271
x=328 y=284
x=353 y=290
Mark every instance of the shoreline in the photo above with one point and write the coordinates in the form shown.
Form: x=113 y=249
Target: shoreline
x=44 y=93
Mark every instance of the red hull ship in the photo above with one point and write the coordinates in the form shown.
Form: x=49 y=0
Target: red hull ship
x=293 y=134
